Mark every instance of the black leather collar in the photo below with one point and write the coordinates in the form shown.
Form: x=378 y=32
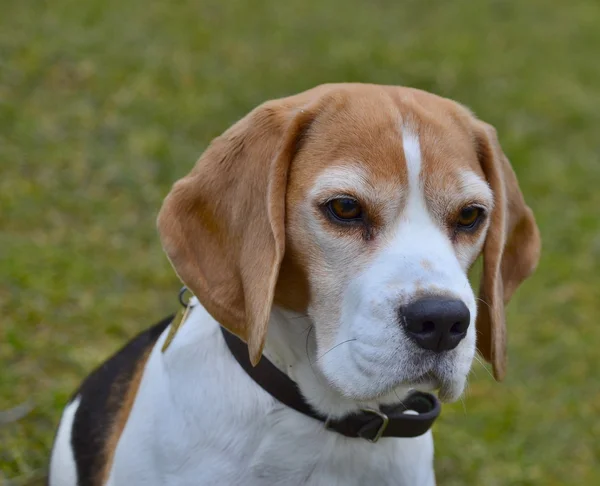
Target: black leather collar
x=369 y=424
x=388 y=421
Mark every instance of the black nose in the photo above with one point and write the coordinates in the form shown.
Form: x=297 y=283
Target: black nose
x=436 y=324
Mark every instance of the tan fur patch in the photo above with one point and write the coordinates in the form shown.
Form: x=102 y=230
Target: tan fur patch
x=122 y=415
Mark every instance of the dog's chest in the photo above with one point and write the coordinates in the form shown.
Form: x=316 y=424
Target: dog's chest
x=286 y=451
x=293 y=453
x=201 y=420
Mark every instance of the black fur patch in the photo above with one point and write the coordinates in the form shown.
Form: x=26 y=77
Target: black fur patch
x=101 y=397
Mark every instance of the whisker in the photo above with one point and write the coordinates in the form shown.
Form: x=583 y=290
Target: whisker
x=306 y=347
x=337 y=345
x=306 y=329
x=311 y=363
x=398 y=397
x=400 y=401
x=481 y=300
x=484 y=366
x=511 y=392
x=465 y=392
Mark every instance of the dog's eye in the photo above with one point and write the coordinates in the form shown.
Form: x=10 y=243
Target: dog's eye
x=345 y=209
x=469 y=216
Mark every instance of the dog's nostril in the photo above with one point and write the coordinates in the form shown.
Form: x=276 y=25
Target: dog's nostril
x=428 y=326
x=456 y=328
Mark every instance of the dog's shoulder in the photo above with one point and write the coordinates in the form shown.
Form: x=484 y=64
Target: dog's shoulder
x=104 y=401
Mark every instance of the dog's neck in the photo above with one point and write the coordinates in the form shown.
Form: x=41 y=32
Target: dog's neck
x=291 y=346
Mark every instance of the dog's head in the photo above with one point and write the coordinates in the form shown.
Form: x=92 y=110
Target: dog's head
x=364 y=207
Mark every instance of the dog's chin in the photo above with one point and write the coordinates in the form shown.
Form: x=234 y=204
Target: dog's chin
x=449 y=389
x=389 y=383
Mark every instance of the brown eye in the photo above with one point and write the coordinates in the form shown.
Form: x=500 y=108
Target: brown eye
x=345 y=209
x=469 y=217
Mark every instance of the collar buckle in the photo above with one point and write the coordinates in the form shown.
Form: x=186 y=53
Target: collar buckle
x=385 y=420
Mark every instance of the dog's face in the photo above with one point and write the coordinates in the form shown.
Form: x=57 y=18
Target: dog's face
x=387 y=213
x=364 y=207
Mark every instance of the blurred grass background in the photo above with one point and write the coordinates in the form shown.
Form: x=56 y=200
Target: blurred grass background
x=104 y=104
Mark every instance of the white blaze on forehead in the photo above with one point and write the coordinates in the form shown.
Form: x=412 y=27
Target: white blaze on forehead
x=418 y=236
x=412 y=154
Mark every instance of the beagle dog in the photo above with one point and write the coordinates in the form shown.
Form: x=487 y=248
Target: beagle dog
x=332 y=232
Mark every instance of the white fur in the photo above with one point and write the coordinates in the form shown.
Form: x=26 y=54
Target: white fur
x=199 y=419
x=63 y=471
x=341 y=179
x=475 y=188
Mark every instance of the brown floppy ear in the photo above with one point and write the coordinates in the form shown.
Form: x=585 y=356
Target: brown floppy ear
x=511 y=251
x=223 y=225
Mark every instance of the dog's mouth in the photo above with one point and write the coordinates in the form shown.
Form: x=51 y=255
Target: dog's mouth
x=448 y=390
x=425 y=373
x=428 y=382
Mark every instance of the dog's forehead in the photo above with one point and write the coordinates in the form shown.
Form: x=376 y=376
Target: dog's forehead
x=365 y=129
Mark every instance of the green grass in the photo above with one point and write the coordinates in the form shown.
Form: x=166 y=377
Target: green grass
x=103 y=104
